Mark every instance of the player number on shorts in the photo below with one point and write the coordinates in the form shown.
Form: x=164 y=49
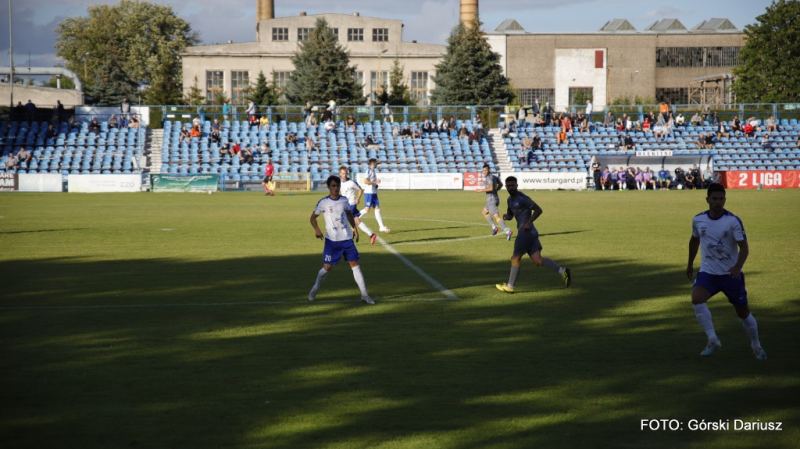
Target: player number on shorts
x=327 y=258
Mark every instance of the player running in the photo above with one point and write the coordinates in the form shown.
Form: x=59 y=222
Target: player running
x=526 y=211
x=491 y=185
x=721 y=236
x=338 y=237
x=352 y=191
x=371 y=195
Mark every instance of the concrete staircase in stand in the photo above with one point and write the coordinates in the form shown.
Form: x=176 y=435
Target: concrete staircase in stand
x=498 y=147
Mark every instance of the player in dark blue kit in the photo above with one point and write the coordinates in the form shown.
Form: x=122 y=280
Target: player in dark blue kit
x=526 y=211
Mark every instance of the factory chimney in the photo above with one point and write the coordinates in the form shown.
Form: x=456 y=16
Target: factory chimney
x=469 y=12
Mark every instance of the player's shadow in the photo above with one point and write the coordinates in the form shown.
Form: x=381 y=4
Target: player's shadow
x=34 y=231
x=156 y=352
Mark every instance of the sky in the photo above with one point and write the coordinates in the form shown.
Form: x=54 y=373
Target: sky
x=426 y=21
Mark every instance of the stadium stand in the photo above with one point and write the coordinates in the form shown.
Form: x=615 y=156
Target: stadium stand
x=75 y=150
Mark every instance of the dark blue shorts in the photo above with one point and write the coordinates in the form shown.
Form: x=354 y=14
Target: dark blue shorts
x=354 y=209
x=732 y=288
x=334 y=251
x=371 y=200
x=527 y=243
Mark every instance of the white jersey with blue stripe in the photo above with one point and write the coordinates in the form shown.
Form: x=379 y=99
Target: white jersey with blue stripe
x=373 y=177
x=349 y=190
x=718 y=241
x=337 y=229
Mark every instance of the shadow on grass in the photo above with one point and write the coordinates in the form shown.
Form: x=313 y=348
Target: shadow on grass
x=547 y=367
x=42 y=230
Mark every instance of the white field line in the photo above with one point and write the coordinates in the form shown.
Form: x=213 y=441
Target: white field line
x=418 y=270
x=209 y=304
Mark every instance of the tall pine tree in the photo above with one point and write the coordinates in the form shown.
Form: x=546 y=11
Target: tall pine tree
x=770 y=57
x=322 y=71
x=398 y=93
x=262 y=92
x=193 y=95
x=470 y=72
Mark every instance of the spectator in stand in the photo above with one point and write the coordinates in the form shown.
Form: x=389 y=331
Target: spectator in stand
x=11 y=163
x=134 y=122
x=535 y=109
x=663 y=179
x=766 y=144
x=350 y=123
x=547 y=110
x=713 y=119
x=620 y=124
x=94 y=126
x=626 y=142
x=658 y=130
x=442 y=125
x=386 y=112
x=113 y=122
x=59 y=112
x=245 y=155
x=405 y=132
x=584 y=128
x=609 y=120
x=197 y=122
x=195 y=132
x=251 y=110
x=216 y=126
x=216 y=137
x=664 y=110
x=225 y=149
x=291 y=138
x=522 y=116
x=428 y=127
x=263 y=122
x=646 y=124
x=463 y=132
x=628 y=123
x=771 y=124
x=736 y=125
x=370 y=143
x=749 y=130
x=752 y=121
x=680 y=178
x=330 y=126
x=311 y=121
x=185 y=135
x=252 y=120
x=123 y=122
x=536 y=142
x=589 y=110
x=18 y=112
x=50 y=135
x=24 y=158
x=538 y=122
x=596 y=169
x=311 y=145
x=451 y=124
x=722 y=131
x=562 y=137
x=566 y=124
x=697 y=177
x=679 y=121
x=125 y=107
x=226 y=111
x=697 y=119
x=669 y=128
x=639 y=178
x=474 y=136
x=235 y=149
x=649 y=181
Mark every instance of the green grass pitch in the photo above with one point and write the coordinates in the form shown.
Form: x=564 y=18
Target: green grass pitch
x=182 y=321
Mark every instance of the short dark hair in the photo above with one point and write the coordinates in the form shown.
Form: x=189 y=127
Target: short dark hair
x=333 y=178
x=511 y=178
x=715 y=187
x=487 y=166
x=372 y=161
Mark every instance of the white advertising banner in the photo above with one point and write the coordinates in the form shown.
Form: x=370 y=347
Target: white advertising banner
x=40 y=183
x=437 y=181
x=389 y=181
x=104 y=183
x=548 y=181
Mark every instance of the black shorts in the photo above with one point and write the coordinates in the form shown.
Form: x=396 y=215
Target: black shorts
x=267 y=179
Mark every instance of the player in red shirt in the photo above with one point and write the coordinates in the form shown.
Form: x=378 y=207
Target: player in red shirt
x=269 y=170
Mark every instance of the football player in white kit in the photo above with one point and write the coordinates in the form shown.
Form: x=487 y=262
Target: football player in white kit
x=340 y=230
x=720 y=236
x=371 y=195
x=352 y=191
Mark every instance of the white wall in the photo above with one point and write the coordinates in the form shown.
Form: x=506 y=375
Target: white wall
x=575 y=68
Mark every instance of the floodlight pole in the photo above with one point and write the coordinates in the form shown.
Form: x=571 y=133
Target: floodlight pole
x=11 y=52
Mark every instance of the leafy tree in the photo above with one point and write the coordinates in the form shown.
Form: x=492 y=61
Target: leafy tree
x=164 y=90
x=398 y=92
x=770 y=57
x=132 y=38
x=110 y=85
x=194 y=95
x=470 y=71
x=261 y=91
x=322 y=71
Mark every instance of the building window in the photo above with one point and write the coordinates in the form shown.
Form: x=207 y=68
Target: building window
x=355 y=34
x=303 y=34
x=280 y=34
x=280 y=80
x=378 y=82
x=698 y=56
x=527 y=96
x=240 y=81
x=419 y=87
x=214 y=84
x=380 y=35
x=673 y=95
x=579 y=95
x=335 y=34
x=358 y=77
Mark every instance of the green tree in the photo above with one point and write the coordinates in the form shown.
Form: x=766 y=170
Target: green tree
x=262 y=92
x=770 y=57
x=398 y=92
x=110 y=85
x=194 y=95
x=66 y=83
x=139 y=40
x=164 y=90
x=470 y=71
x=322 y=71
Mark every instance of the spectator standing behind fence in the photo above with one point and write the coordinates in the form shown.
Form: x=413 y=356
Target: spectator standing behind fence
x=386 y=112
x=251 y=109
x=535 y=109
x=522 y=116
x=664 y=110
x=58 y=112
x=589 y=110
x=226 y=111
x=30 y=111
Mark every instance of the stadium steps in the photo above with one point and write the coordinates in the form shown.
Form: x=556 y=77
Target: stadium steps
x=155 y=137
x=499 y=152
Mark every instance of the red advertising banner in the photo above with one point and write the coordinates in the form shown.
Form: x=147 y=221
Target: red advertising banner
x=766 y=179
x=473 y=180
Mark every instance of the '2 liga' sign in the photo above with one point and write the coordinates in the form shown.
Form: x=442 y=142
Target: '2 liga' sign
x=767 y=179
